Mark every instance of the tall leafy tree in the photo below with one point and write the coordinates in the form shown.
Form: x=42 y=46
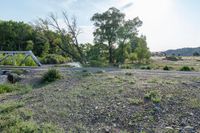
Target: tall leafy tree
x=107 y=24
x=125 y=34
x=142 y=51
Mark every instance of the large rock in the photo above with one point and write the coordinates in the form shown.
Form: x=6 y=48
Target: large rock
x=13 y=78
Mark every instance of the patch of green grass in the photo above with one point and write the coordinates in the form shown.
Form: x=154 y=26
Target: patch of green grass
x=194 y=103
x=154 y=96
x=7 y=88
x=14 y=118
x=51 y=75
x=135 y=101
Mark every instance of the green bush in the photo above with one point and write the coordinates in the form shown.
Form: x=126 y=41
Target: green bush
x=186 y=68
x=51 y=75
x=154 y=96
x=54 y=59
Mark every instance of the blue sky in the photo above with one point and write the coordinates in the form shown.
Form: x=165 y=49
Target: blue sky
x=168 y=24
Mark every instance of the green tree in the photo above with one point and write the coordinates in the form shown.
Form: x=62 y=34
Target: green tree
x=107 y=25
x=142 y=51
x=126 y=32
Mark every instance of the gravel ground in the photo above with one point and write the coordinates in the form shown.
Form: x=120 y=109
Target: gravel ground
x=115 y=100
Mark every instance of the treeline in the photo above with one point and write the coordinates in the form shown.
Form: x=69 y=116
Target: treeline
x=116 y=40
x=19 y=36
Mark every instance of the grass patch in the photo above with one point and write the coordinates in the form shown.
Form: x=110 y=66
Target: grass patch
x=194 y=103
x=7 y=88
x=135 y=101
x=14 y=118
x=51 y=75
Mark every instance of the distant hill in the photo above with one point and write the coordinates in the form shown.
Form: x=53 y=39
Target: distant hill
x=182 y=51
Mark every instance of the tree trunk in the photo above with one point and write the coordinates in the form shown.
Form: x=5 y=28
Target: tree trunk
x=110 y=54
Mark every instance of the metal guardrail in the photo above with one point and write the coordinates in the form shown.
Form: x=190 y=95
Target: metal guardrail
x=27 y=53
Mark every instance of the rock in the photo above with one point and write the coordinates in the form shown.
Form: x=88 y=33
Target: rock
x=169 y=128
x=3 y=79
x=107 y=129
x=13 y=78
x=189 y=129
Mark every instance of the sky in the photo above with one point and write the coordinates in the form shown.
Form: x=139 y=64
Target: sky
x=167 y=24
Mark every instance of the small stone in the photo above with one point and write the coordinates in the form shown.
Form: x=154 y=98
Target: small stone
x=188 y=128
x=169 y=128
x=114 y=125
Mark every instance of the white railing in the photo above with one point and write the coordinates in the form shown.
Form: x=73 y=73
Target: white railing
x=27 y=53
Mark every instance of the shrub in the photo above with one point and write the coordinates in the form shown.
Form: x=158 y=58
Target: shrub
x=126 y=66
x=154 y=96
x=54 y=59
x=186 y=68
x=146 y=67
x=51 y=75
x=166 y=68
x=172 y=58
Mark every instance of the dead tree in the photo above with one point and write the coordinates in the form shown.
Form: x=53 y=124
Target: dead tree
x=69 y=35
